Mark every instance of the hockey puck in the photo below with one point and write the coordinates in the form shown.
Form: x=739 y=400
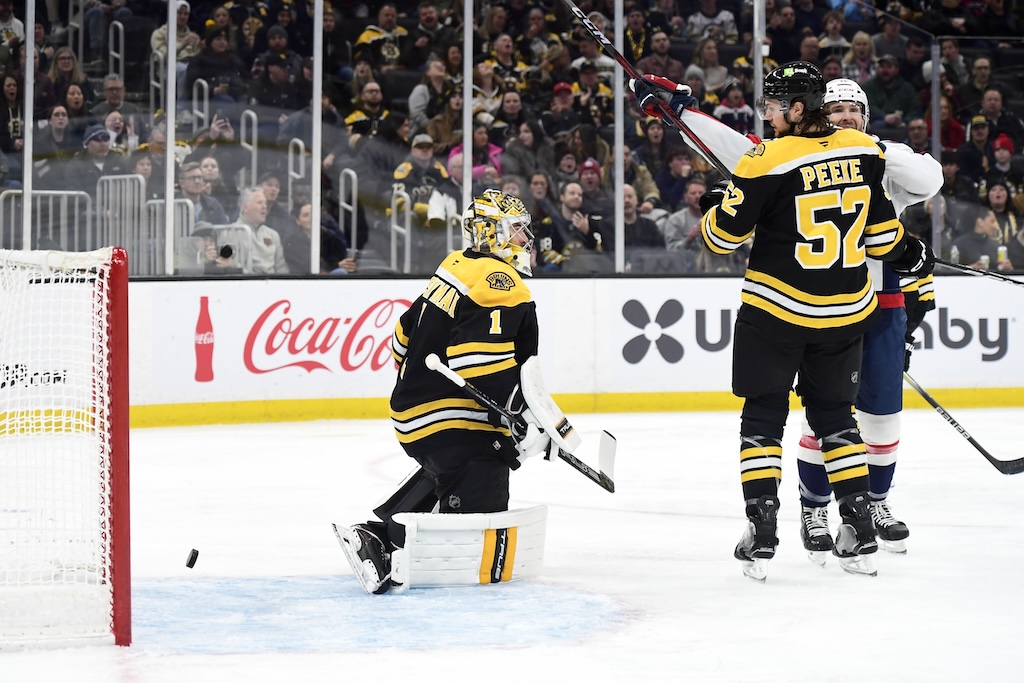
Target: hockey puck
x=192 y=557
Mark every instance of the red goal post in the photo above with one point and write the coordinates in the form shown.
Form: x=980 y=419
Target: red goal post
x=65 y=571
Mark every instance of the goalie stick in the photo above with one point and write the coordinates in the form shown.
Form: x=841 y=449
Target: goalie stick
x=606 y=450
x=1004 y=466
x=631 y=72
x=978 y=271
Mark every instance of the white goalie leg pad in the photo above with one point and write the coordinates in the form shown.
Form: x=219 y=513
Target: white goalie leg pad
x=545 y=411
x=469 y=549
x=881 y=434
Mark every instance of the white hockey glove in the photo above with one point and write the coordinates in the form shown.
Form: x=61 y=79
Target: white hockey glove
x=534 y=442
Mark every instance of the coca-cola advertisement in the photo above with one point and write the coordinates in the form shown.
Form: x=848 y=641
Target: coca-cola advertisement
x=270 y=341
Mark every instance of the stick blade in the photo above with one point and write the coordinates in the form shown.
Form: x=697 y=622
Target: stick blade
x=606 y=457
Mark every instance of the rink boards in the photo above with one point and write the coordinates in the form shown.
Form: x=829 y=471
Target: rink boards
x=316 y=349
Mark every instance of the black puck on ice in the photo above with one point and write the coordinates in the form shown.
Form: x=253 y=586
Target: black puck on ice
x=192 y=557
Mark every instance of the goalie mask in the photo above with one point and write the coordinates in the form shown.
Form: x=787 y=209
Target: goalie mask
x=499 y=224
x=845 y=90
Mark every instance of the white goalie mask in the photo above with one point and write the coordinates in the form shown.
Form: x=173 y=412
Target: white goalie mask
x=845 y=90
x=499 y=224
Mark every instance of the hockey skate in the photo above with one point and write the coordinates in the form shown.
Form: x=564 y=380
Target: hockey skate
x=892 y=533
x=855 y=540
x=815 y=534
x=757 y=545
x=365 y=552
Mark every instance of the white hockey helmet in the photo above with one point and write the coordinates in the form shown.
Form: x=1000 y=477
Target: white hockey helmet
x=499 y=224
x=845 y=90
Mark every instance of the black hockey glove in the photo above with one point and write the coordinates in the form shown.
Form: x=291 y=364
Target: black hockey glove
x=917 y=259
x=650 y=88
x=908 y=348
x=713 y=197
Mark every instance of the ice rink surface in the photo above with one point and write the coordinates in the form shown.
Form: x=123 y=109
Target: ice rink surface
x=639 y=585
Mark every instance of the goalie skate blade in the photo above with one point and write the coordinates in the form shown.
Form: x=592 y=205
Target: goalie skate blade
x=895 y=547
x=818 y=557
x=861 y=565
x=364 y=570
x=755 y=569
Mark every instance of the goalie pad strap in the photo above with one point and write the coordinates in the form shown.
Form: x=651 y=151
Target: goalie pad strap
x=469 y=549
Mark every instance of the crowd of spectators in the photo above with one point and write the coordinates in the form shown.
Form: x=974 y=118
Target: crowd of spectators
x=542 y=99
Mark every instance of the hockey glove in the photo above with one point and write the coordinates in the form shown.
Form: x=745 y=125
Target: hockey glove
x=535 y=442
x=650 y=88
x=908 y=348
x=917 y=259
x=714 y=197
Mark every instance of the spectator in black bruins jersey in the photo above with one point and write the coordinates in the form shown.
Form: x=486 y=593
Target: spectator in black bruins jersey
x=508 y=67
x=815 y=204
x=593 y=99
x=383 y=44
x=368 y=111
x=417 y=176
x=567 y=233
x=477 y=315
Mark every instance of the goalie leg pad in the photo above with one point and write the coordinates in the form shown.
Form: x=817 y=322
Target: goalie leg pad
x=545 y=411
x=469 y=549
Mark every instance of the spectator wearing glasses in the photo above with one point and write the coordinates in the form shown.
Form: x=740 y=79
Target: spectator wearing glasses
x=113 y=99
x=191 y=186
x=65 y=70
x=918 y=138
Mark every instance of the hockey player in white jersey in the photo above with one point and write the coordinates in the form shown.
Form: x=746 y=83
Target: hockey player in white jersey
x=909 y=178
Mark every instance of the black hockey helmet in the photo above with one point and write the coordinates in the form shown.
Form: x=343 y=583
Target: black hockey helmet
x=794 y=81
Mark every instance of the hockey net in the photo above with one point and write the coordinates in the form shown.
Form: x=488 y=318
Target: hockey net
x=64 y=527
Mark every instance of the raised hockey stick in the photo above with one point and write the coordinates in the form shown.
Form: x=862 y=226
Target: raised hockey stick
x=1004 y=466
x=631 y=72
x=979 y=271
x=606 y=451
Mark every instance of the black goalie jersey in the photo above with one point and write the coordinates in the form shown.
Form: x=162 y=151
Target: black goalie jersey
x=476 y=314
x=819 y=208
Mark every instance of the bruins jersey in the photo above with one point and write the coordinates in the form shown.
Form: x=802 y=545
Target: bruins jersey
x=477 y=315
x=820 y=209
x=381 y=47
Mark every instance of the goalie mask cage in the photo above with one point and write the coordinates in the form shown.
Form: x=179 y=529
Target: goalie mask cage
x=65 y=575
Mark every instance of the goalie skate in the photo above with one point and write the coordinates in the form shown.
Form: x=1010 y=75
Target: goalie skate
x=758 y=542
x=855 y=540
x=365 y=554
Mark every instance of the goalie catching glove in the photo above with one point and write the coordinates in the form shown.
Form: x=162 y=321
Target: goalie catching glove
x=649 y=89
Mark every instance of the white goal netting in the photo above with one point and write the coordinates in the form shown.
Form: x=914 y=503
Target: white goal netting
x=57 y=473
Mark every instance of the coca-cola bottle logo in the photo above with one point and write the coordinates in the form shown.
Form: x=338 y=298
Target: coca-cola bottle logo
x=204 y=342
x=279 y=340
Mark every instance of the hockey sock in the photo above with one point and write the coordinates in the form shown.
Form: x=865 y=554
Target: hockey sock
x=881 y=479
x=845 y=461
x=760 y=466
x=814 y=487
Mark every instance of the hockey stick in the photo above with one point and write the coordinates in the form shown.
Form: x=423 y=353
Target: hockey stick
x=978 y=271
x=1004 y=466
x=631 y=72
x=606 y=454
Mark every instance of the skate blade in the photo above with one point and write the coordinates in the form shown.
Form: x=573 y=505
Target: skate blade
x=756 y=569
x=895 y=547
x=818 y=557
x=862 y=565
x=364 y=570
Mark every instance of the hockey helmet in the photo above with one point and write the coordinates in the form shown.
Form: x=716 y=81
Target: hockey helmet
x=498 y=224
x=791 y=82
x=845 y=90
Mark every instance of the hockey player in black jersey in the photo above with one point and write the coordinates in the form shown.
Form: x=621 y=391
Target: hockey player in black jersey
x=814 y=201
x=477 y=315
